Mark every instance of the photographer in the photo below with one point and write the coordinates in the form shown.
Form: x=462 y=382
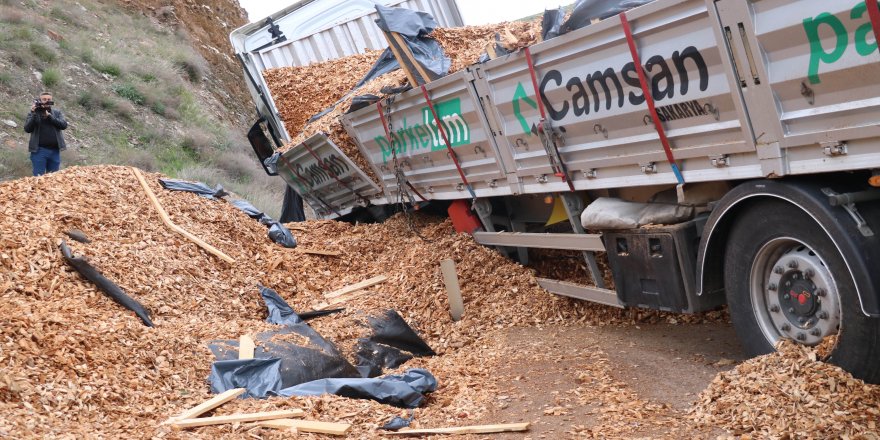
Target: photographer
x=45 y=124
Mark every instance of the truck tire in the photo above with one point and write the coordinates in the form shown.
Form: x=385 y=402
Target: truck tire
x=785 y=278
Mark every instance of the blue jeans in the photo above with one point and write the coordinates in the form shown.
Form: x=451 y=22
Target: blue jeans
x=45 y=160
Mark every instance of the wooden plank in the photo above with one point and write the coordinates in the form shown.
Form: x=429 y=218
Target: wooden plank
x=405 y=50
x=237 y=418
x=319 y=252
x=453 y=290
x=207 y=405
x=338 y=300
x=476 y=429
x=400 y=59
x=355 y=287
x=308 y=426
x=167 y=220
x=246 y=347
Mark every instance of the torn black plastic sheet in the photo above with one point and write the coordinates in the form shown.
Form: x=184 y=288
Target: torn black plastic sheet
x=311 y=357
x=407 y=390
x=199 y=188
x=391 y=329
x=278 y=233
x=249 y=209
x=373 y=358
x=398 y=422
x=259 y=377
x=414 y=27
x=585 y=11
x=551 y=23
x=109 y=288
x=77 y=235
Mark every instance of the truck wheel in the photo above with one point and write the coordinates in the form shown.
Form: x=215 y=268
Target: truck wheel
x=785 y=279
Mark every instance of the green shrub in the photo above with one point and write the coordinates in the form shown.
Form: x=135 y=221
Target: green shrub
x=108 y=68
x=192 y=68
x=14 y=163
x=135 y=157
x=21 y=59
x=23 y=33
x=43 y=53
x=123 y=109
x=158 y=108
x=172 y=160
x=87 y=56
x=65 y=46
x=147 y=77
x=196 y=141
x=130 y=92
x=68 y=17
x=51 y=77
x=89 y=99
x=238 y=165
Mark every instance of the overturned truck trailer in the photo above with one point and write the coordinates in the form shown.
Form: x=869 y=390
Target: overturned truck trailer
x=716 y=151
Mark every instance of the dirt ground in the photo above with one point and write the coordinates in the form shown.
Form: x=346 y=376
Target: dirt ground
x=665 y=364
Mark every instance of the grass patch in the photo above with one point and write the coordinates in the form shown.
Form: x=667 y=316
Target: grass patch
x=93 y=99
x=11 y=16
x=238 y=165
x=22 y=33
x=87 y=56
x=193 y=70
x=89 y=99
x=158 y=108
x=173 y=159
x=130 y=92
x=130 y=156
x=65 y=46
x=51 y=77
x=44 y=53
x=5 y=78
x=68 y=17
x=197 y=142
x=107 y=67
x=14 y=163
x=191 y=111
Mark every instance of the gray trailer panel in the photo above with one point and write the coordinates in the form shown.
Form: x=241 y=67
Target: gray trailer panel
x=325 y=177
x=421 y=151
x=591 y=91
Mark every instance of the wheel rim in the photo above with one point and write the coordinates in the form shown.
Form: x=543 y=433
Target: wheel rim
x=793 y=293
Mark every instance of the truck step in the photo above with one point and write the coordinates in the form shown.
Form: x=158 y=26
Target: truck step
x=587 y=293
x=574 y=242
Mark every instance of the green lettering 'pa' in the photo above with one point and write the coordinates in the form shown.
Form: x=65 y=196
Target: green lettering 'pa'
x=817 y=52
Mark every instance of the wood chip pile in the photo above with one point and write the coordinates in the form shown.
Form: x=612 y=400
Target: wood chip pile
x=790 y=394
x=464 y=45
x=330 y=124
x=302 y=92
x=76 y=364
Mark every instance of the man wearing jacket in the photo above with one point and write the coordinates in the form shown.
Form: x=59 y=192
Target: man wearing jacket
x=45 y=123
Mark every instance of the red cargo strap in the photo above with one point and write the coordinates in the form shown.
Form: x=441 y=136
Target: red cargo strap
x=649 y=99
x=332 y=174
x=535 y=83
x=446 y=140
x=874 y=13
x=391 y=145
x=564 y=172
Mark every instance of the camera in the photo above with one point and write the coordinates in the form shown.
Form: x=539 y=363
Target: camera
x=40 y=106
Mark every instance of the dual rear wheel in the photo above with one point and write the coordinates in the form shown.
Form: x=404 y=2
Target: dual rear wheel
x=786 y=279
